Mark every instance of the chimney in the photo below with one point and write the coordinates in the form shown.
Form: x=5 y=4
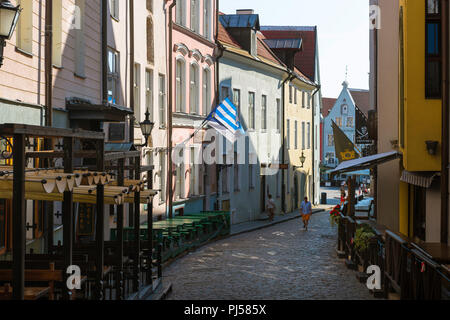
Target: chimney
x=245 y=11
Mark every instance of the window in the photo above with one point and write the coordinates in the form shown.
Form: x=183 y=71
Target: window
x=206 y=91
x=264 y=112
x=207 y=18
x=3 y=225
x=114 y=8
x=330 y=140
x=162 y=100
x=350 y=122
x=137 y=93
x=180 y=86
x=295 y=96
x=237 y=100
x=295 y=135
x=80 y=40
x=236 y=179
x=162 y=176
x=24 y=29
x=308 y=135
x=150 y=41
x=278 y=115
x=330 y=157
x=194 y=90
x=181 y=12
x=288 y=134
x=195 y=16
x=57 y=33
x=179 y=186
x=251 y=110
x=290 y=93
x=433 y=56
x=344 y=109
x=339 y=121
x=193 y=174
x=309 y=100
x=149 y=92
x=303 y=99
x=113 y=77
x=303 y=137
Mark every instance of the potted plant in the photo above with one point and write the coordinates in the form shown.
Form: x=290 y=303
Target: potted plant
x=335 y=215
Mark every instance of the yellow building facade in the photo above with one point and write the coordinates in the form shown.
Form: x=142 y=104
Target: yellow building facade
x=419 y=117
x=298 y=97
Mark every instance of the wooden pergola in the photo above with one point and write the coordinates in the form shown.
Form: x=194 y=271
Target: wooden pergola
x=68 y=184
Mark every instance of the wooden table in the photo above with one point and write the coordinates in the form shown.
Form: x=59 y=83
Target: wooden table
x=438 y=252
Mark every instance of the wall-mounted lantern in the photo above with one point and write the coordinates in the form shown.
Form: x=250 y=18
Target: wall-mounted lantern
x=432 y=147
x=146 y=129
x=9 y=15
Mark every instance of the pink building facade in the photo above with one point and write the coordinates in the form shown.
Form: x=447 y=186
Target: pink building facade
x=194 y=95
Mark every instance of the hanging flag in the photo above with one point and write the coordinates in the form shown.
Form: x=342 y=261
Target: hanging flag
x=345 y=149
x=225 y=119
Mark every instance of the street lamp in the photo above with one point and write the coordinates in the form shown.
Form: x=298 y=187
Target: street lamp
x=9 y=15
x=146 y=128
x=302 y=159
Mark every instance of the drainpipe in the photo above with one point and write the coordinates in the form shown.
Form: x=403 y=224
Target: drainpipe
x=170 y=111
x=221 y=49
x=445 y=124
x=314 y=144
x=132 y=59
x=48 y=142
x=105 y=51
x=48 y=62
x=283 y=145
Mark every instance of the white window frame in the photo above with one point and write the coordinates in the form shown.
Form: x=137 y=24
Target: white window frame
x=251 y=111
x=206 y=87
x=207 y=19
x=162 y=99
x=195 y=16
x=180 y=85
x=194 y=88
x=263 y=112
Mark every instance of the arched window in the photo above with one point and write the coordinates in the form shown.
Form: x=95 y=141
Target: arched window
x=206 y=91
x=181 y=12
x=207 y=18
x=194 y=89
x=180 y=86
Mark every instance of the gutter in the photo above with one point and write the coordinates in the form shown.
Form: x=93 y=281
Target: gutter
x=170 y=112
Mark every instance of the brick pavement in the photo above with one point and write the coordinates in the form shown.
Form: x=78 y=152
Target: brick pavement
x=281 y=262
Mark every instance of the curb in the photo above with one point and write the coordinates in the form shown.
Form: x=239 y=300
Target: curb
x=273 y=223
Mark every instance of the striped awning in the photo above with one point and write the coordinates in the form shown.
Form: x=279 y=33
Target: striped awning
x=420 y=179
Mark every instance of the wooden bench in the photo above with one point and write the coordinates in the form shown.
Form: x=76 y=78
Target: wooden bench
x=51 y=276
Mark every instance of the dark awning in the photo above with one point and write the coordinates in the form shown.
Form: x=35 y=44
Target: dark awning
x=420 y=179
x=83 y=109
x=365 y=163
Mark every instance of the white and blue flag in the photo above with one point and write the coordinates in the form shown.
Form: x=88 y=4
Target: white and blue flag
x=225 y=119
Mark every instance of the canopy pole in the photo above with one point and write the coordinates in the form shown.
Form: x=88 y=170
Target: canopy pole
x=19 y=218
x=150 y=229
x=137 y=227
x=100 y=231
x=120 y=215
x=67 y=216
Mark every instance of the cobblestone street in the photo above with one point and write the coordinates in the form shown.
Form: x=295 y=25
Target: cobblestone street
x=282 y=262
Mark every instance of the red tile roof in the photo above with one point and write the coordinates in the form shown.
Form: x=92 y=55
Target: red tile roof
x=362 y=100
x=305 y=59
x=225 y=37
x=327 y=105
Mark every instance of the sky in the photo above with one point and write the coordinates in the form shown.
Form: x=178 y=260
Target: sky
x=343 y=31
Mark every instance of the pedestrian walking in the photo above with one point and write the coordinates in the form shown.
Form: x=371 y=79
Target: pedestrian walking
x=271 y=207
x=306 y=212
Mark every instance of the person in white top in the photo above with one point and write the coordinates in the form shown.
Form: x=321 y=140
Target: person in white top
x=271 y=207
